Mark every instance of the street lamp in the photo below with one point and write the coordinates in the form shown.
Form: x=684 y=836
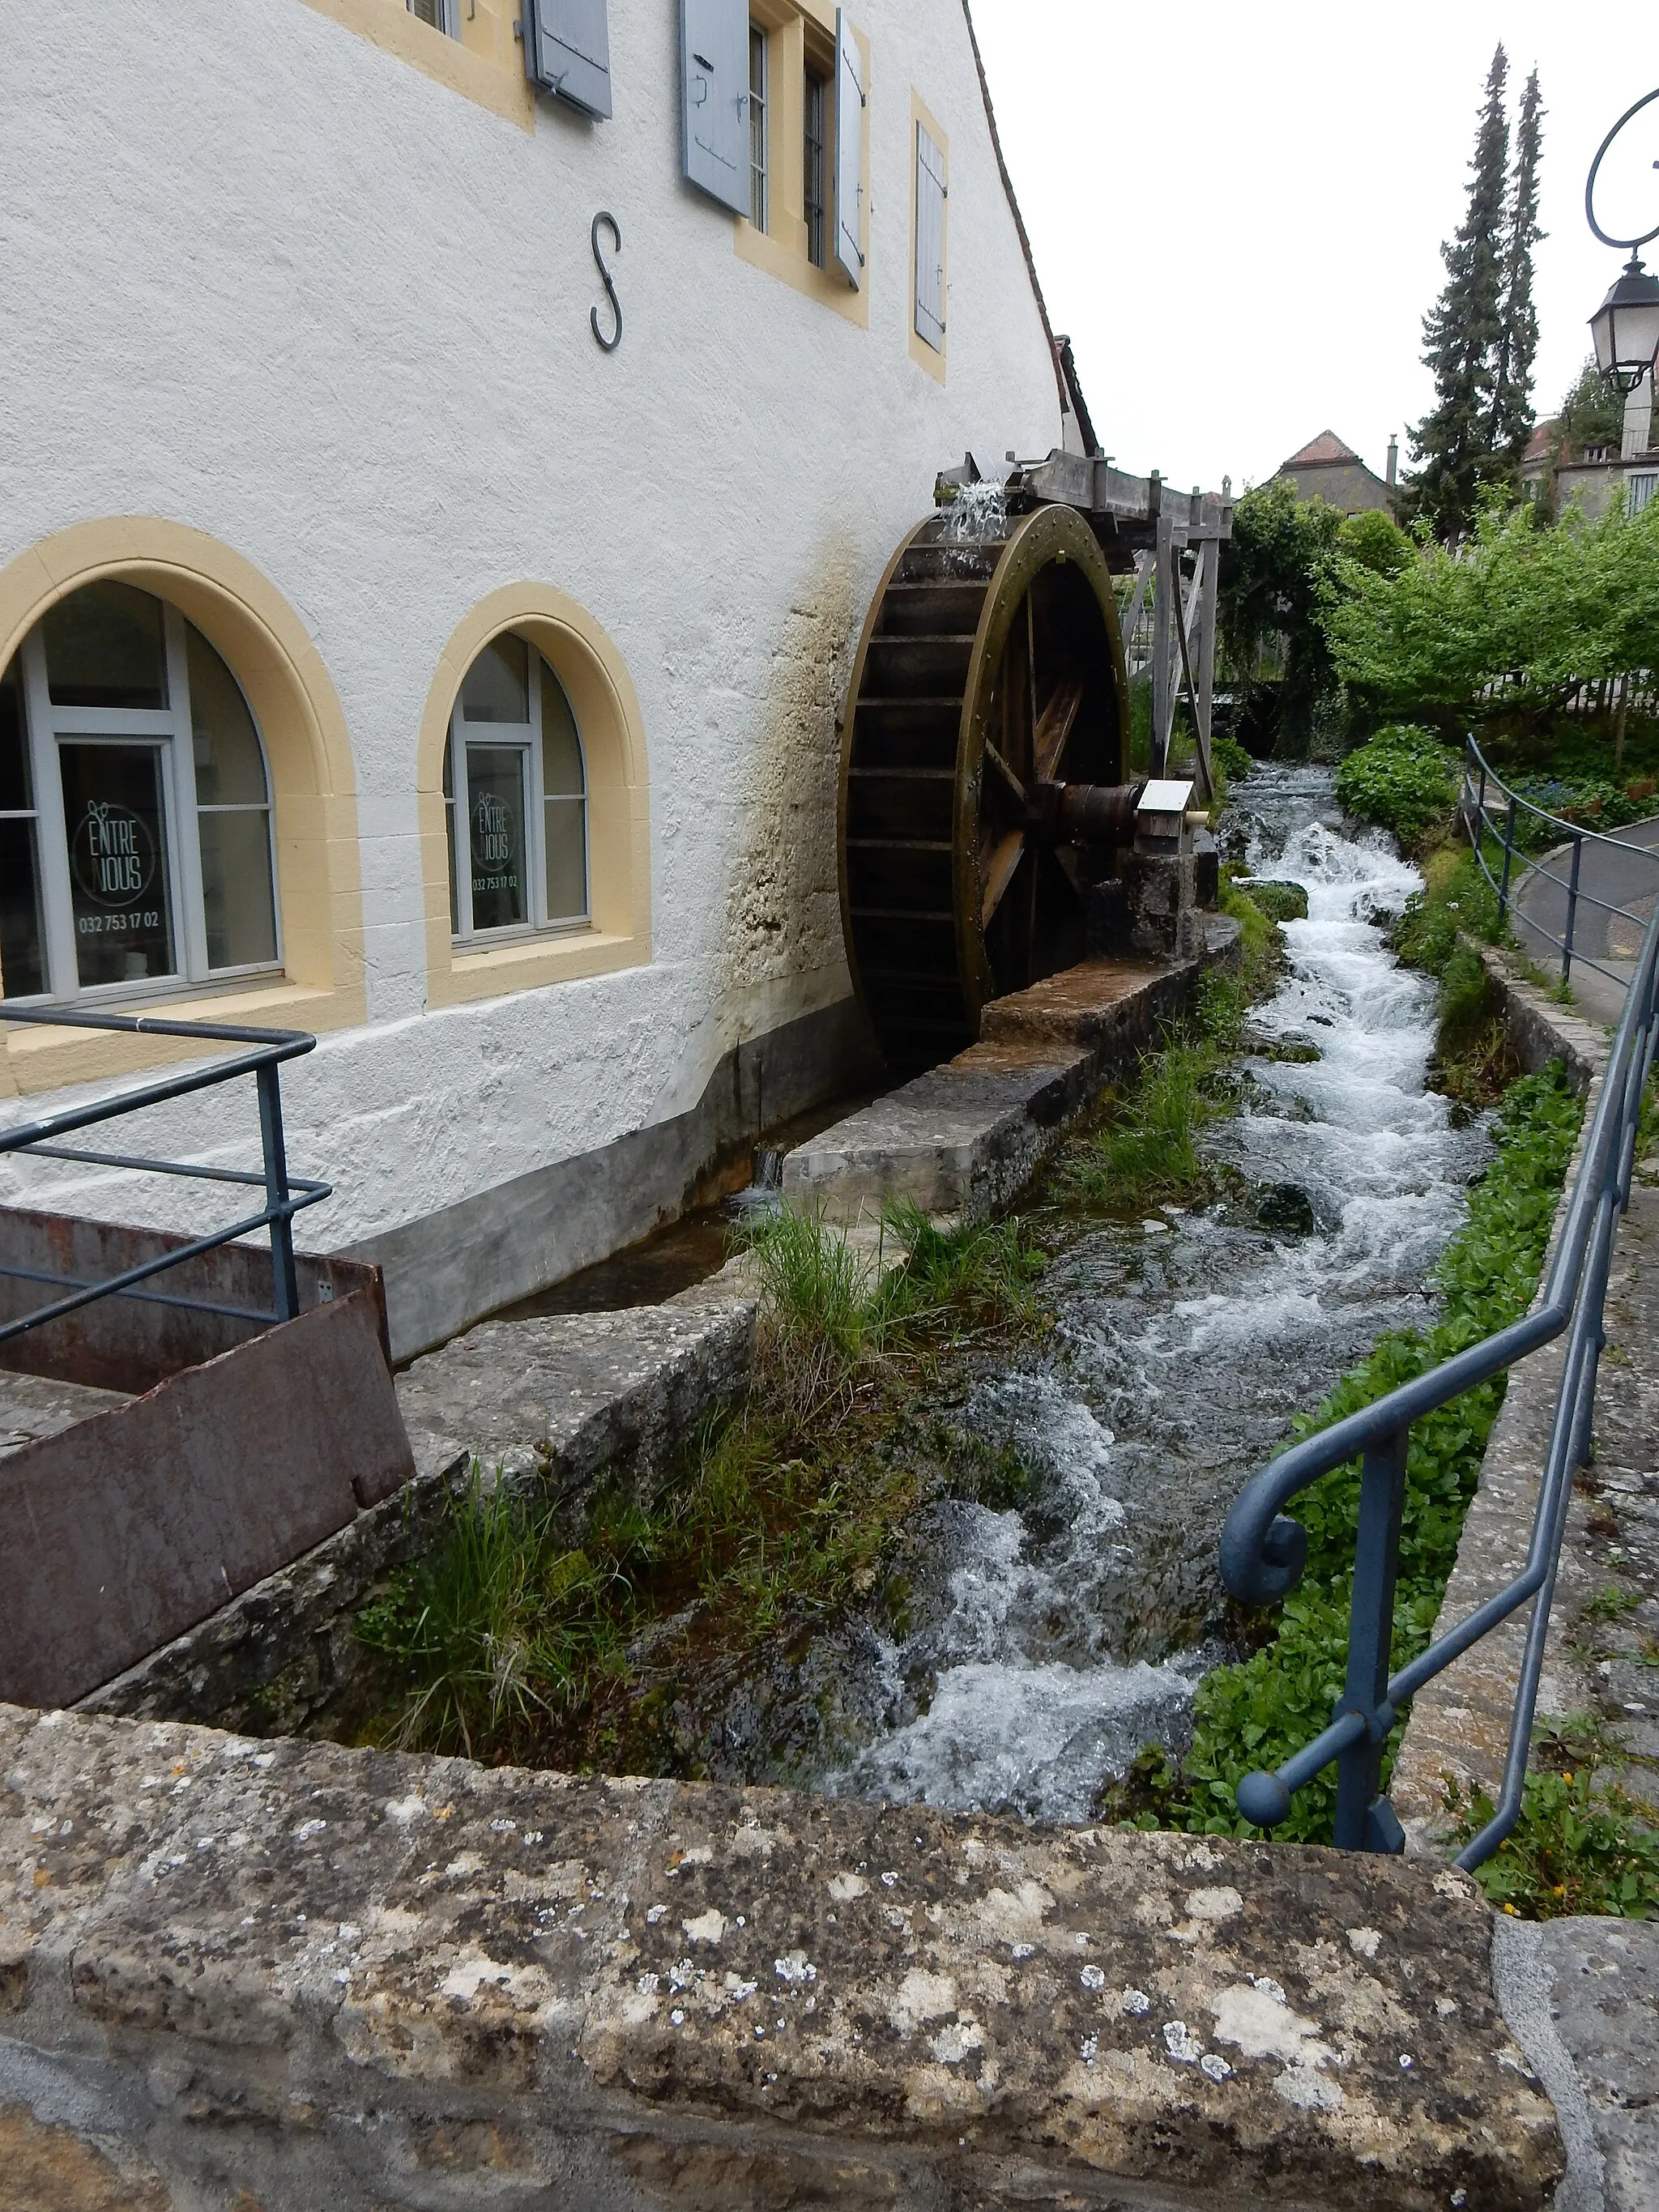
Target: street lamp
x=1625 y=326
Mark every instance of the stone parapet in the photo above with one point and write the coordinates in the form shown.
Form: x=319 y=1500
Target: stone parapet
x=316 y=1976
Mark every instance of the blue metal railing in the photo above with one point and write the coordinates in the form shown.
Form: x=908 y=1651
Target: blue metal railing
x=1482 y=822
x=285 y=1194
x=1263 y=1551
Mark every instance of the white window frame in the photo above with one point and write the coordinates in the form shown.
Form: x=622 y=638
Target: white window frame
x=759 y=113
x=1640 y=486
x=525 y=738
x=46 y=727
x=449 y=18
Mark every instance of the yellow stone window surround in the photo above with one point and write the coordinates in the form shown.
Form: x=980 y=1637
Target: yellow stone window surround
x=313 y=789
x=484 y=64
x=602 y=698
x=792 y=32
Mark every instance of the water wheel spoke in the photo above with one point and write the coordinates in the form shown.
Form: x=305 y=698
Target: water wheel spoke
x=1054 y=727
x=1003 y=779
x=999 y=872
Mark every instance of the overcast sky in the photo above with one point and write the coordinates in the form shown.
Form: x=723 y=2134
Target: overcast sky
x=1237 y=209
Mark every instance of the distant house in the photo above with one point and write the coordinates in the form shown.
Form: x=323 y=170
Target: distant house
x=1326 y=468
x=1560 y=471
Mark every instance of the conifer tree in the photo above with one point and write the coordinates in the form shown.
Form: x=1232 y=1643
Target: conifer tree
x=1462 y=333
x=1512 y=410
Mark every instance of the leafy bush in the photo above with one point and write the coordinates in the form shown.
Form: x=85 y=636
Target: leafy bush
x=1375 y=541
x=1541 y=609
x=1231 y=758
x=1404 y=780
x=1255 y=1713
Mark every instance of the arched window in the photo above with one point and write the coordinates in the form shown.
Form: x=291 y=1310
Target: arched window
x=135 y=805
x=516 y=797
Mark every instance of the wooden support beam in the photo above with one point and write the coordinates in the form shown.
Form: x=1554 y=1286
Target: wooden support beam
x=1166 y=612
x=1209 y=567
x=1131 y=621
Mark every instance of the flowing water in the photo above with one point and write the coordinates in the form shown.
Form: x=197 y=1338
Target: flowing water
x=1047 y=1644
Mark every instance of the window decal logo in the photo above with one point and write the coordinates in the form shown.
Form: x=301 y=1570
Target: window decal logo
x=114 y=854
x=494 y=844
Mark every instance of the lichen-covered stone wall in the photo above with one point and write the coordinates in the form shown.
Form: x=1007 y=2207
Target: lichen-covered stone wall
x=290 y=1976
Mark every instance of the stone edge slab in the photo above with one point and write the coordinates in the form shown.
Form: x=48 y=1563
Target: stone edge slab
x=352 y=1978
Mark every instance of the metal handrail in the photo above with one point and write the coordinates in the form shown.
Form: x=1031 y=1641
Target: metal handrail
x=1477 y=820
x=1263 y=1551
x=286 y=1194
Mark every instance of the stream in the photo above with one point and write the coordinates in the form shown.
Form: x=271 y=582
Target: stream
x=1043 y=1647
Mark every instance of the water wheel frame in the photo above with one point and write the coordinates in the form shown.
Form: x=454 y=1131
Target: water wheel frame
x=1033 y=696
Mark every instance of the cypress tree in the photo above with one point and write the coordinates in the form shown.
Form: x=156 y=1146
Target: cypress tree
x=1462 y=333
x=1512 y=411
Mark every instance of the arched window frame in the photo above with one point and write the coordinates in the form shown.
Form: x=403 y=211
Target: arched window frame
x=526 y=739
x=170 y=730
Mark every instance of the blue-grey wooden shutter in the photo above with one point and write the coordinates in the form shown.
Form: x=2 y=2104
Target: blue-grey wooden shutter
x=714 y=98
x=567 y=50
x=930 y=240
x=849 y=153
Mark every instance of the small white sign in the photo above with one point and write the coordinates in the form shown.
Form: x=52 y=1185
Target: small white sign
x=1169 y=798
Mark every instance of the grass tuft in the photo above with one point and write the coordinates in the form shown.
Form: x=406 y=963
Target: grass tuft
x=1581 y=1844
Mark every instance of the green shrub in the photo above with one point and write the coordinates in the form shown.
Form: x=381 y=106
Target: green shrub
x=1404 y=780
x=1375 y=541
x=1280 y=903
x=1231 y=759
x=1455 y=897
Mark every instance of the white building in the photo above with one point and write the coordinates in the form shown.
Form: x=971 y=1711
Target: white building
x=329 y=517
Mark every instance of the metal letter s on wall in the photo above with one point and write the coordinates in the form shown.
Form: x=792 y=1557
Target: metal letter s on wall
x=611 y=343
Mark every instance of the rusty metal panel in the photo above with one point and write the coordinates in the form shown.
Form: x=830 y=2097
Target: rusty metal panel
x=129 y=1528
x=127 y=1343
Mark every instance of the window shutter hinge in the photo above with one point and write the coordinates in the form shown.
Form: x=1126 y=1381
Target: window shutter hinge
x=518 y=31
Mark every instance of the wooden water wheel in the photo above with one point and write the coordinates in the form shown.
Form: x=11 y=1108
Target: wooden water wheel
x=984 y=743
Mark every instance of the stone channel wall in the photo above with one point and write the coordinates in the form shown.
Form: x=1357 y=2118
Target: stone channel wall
x=557 y=1406
x=289 y=1976
x=1457 y=1735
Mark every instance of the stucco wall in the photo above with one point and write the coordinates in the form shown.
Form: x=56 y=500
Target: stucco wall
x=268 y=280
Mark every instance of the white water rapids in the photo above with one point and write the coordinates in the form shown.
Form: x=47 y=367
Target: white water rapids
x=1050 y=1643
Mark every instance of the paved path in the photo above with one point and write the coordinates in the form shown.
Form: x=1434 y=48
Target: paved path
x=1600 y=1978
x=1628 y=878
